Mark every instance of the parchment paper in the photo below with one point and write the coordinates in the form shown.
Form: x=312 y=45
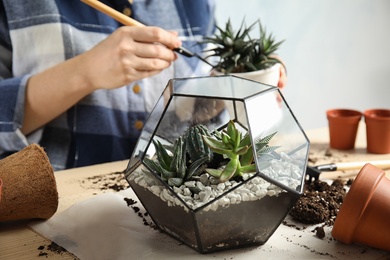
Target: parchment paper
x=105 y=227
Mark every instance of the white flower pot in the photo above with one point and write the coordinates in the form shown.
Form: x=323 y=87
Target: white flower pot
x=268 y=76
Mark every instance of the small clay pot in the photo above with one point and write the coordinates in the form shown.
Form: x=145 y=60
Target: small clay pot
x=378 y=130
x=29 y=188
x=343 y=126
x=364 y=216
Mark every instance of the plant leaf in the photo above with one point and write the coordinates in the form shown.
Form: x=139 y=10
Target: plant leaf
x=247 y=158
x=248 y=168
x=229 y=170
x=195 y=166
x=178 y=164
x=216 y=146
x=163 y=157
x=214 y=172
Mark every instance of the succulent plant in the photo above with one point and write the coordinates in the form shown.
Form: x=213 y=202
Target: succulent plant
x=239 y=52
x=173 y=165
x=238 y=149
x=196 y=148
x=234 y=147
x=262 y=147
x=195 y=152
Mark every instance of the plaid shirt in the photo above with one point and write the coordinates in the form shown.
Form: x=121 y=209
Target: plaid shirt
x=105 y=125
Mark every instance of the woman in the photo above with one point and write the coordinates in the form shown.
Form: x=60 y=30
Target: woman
x=81 y=85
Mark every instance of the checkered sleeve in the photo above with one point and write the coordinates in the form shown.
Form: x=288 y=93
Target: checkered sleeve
x=12 y=95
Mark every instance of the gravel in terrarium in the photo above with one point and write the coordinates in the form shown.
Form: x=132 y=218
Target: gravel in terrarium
x=197 y=193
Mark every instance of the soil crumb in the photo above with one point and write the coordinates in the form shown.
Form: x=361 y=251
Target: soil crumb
x=320 y=232
x=146 y=220
x=53 y=248
x=115 y=181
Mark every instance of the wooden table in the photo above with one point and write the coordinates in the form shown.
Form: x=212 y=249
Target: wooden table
x=18 y=241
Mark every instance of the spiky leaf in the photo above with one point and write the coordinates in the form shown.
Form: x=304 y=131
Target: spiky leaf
x=239 y=52
x=163 y=157
x=196 y=167
x=179 y=158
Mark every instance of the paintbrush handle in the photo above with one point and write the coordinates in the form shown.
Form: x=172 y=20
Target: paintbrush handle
x=382 y=164
x=123 y=19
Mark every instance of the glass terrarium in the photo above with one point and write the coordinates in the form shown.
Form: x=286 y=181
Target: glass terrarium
x=220 y=162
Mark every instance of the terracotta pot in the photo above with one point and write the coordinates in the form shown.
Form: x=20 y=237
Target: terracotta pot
x=364 y=217
x=29 y=188
x=378 y=130
x=343 y=126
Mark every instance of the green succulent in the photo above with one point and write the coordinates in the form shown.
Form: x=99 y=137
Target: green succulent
x=173 y=165
x=262 y=147
x=238 y=149
x=234 y=147
x=239 y=52
x=195 y=152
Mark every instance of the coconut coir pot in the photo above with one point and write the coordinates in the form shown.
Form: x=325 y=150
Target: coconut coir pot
x=28 y=185
x=1 y=188
x=364 y=217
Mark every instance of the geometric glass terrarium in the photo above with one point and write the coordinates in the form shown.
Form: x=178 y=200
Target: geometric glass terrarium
x=220 y=162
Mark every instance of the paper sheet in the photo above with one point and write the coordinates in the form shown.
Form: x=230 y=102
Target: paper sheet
x=105 y=227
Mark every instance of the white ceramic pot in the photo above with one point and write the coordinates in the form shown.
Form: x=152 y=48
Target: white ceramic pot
x=268 y=76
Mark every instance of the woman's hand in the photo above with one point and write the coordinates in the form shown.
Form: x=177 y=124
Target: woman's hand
x=129 y=54
x=282 y=77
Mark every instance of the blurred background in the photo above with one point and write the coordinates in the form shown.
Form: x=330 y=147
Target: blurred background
x=336 y=51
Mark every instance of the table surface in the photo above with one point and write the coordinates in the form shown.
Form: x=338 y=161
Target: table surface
x=18 y=241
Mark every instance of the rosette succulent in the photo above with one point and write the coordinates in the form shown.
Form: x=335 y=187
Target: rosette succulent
x=238 y=52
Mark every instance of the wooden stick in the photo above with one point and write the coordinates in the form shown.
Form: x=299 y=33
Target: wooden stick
x=382 y=164
x=124 y=19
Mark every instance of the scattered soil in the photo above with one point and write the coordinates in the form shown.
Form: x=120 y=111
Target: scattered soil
x=320 y=202
x=54 y=248
x=143 y=215
x=108 y=182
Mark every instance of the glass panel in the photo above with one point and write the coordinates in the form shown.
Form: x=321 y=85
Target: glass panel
x=248 y=215
x=157 y=200
x=257 y=109
x=227 y=87
x=286 y=161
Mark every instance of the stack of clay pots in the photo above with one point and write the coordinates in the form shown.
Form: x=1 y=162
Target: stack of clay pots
x=344 y=123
